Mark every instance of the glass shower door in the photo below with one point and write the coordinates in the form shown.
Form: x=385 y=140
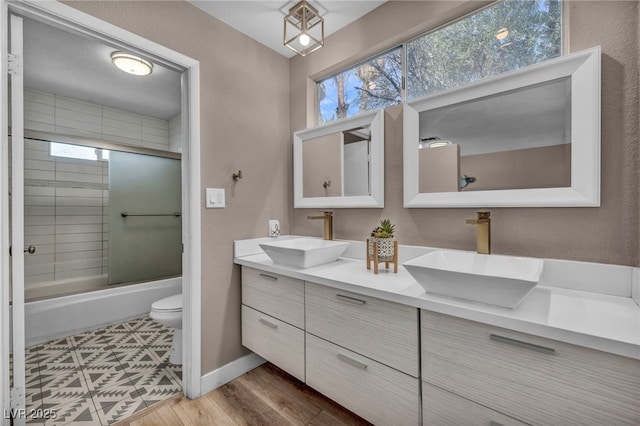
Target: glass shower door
x=145 y=223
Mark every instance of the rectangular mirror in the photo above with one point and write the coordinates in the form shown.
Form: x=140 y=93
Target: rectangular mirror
x=529 y=137
x=340 y=164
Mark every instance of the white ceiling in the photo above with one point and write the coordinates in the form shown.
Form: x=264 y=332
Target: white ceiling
x=63 y=63
x=263 y=20
x=73 y=65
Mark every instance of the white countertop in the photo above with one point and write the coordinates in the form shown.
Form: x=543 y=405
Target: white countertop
x=609 y=323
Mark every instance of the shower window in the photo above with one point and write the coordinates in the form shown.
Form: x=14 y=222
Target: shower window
x=58 y=149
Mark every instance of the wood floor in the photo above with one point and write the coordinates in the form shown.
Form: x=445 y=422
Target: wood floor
x=263 y=396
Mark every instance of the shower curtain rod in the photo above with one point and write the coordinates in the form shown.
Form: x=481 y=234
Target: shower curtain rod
x=97 y=143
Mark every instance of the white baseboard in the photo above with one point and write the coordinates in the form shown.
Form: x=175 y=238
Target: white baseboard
x=226 y=373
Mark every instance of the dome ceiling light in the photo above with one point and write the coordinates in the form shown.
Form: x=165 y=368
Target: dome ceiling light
x=131 y=64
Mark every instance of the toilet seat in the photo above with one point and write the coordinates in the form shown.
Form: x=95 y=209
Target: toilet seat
x=168 y=304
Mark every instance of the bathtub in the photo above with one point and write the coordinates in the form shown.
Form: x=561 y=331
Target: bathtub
x=67 y=315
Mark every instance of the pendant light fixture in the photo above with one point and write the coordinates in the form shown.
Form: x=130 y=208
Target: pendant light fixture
x=303 y=29
x=131 y=64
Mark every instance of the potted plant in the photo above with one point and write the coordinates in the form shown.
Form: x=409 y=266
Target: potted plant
x=382 y=246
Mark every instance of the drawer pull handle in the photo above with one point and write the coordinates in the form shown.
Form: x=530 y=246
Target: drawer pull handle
x=269 y=277
x=493 y=423
x=521 y=344
x=267 y=323
x=350 y=299
x=352 y=361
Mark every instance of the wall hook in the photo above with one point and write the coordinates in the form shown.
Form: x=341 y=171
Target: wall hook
x=237 y=176
x=326 y=184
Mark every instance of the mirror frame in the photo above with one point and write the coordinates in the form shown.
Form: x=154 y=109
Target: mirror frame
x=375 y=119
x=584 y=70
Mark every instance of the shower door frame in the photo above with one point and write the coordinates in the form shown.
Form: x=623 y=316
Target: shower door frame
x=55 y=13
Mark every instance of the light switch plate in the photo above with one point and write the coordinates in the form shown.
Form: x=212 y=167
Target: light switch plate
x=215 y=198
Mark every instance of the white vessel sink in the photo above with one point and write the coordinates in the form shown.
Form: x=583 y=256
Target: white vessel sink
x=304 y=252
x=485 y=278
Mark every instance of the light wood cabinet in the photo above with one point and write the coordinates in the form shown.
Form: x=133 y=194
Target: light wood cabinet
x=384 y=331
x=276 y=295
x=443 y=408
x=532 y=379
x=274 y=340
x=380 y=394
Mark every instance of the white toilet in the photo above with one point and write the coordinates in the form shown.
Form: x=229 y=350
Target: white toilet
x=168 y=311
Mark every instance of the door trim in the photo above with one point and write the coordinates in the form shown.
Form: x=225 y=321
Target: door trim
x=68 y=17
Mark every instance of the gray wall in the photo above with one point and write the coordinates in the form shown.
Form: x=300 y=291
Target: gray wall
x=244 y=107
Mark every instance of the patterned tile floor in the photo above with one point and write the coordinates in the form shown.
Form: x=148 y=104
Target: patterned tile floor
x=102 y=376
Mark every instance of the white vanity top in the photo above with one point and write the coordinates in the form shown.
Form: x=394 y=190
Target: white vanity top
x=556 y=309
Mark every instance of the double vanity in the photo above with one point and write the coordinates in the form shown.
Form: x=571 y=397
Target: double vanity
x=383 y=347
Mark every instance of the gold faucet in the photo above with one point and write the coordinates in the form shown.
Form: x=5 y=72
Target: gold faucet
x=328 y=224
x=483 y=231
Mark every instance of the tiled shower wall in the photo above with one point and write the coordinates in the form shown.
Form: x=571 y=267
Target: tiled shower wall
x=66 y=200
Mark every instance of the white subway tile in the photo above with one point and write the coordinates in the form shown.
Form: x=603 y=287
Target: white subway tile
x=37 y=279
x=95 y=169
x=39 y=201
x=65 y=275
x=39 y=210
x=39 y=174
x=78 y=220
x=39 y=117
x=32 y=154
x=78 y=125
x=157 y=123
x=67 y=257
x=39 y=165
x=76 y=105
x=124 y=130
x=31 y=95
x=39 y=220
x=77 y=229
x=78 y=201
x=38 y=230
x=78 y=264
x=40 y=190
x=154 y=131
x=40 y=108
x=39 y=239
x=78 y=210
x=78 y=177
x=76 y=247
x=79 y=238
x=120 y=115
x=38 y=126
x=36 y=145
x=121 y=140
x=45 y=268
x=79 y=192
x=36 y=259
x=75 y=115
x=161 y=147
x=77 y=132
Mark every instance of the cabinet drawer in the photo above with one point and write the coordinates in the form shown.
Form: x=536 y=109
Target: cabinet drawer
x=384 y=331
x=440 y=408
x=536 y=380
x=276 y=295
x=379 y=394
x=274 y=340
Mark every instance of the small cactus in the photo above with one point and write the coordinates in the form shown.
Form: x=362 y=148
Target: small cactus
x=384 y=230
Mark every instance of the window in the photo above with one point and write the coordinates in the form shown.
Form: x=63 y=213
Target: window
x=503 y=37
x=368 y=86
x=57 y=149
